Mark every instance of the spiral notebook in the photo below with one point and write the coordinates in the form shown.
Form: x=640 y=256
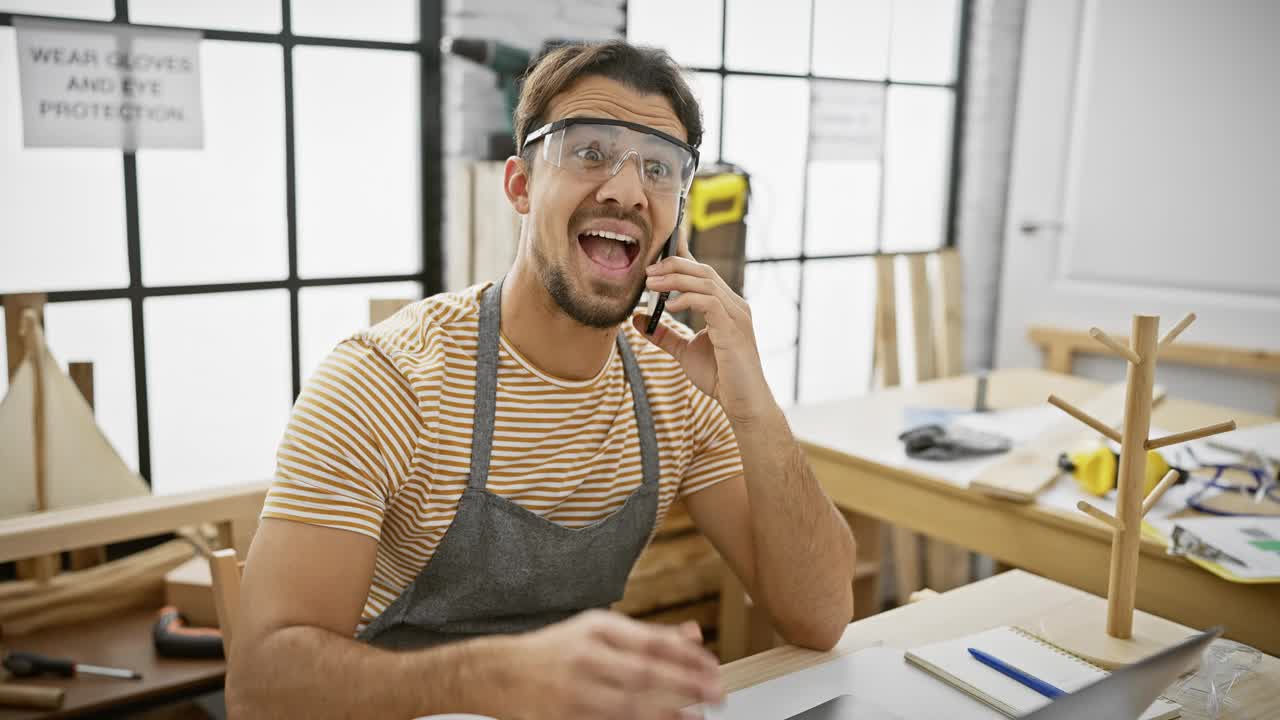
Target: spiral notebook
x=951 y=661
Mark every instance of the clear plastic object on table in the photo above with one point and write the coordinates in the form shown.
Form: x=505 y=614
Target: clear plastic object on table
x=1225 y=665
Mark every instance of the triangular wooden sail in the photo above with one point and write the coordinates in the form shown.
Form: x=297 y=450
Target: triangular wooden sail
x=81 y=466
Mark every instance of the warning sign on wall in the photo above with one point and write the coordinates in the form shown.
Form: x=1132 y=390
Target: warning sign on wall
x=103 y=85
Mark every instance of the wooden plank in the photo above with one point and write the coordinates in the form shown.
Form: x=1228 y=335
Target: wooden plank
x=922 y=318
x=1026 y=470
x=57 y=530
x=1198 y=354
x=495 y=225
x=382 y=308
x=886 y=340
x=945 y=566
x=457 y=241
x=950 y=328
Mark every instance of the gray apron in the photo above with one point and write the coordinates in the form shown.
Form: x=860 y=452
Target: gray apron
x=503 y=569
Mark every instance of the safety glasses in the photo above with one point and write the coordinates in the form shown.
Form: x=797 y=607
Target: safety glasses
x=597 y=148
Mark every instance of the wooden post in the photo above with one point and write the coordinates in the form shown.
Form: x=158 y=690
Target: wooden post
x=950 y=330
x=886 y=343
x=41 y=568
x=13 y=306
x=1122 y=585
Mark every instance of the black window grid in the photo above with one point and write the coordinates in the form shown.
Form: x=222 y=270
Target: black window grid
x=430 y=275
x=958 y=89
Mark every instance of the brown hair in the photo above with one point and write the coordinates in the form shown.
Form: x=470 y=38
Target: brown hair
x=644 y=69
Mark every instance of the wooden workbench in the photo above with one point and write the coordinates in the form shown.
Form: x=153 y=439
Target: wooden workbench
x=841 y=437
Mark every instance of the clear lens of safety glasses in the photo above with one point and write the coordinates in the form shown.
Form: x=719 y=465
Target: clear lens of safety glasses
x=599 y=149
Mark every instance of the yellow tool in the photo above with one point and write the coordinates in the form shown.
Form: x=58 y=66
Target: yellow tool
x=1095 y=470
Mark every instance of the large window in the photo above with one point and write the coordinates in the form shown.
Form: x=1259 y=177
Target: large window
x=845 y=113
x=206 y=285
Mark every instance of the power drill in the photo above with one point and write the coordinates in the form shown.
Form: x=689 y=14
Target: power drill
x=509 y=64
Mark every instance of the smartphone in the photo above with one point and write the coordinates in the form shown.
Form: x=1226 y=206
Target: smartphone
x=658 y=301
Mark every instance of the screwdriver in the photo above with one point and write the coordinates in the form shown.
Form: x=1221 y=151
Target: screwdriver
x=28 y=664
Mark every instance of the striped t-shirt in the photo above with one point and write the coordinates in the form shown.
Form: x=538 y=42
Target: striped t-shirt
x=379 y=441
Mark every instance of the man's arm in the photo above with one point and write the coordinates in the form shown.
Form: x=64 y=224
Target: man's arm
x=776 y=526
x=782 y=536
x=294 y=655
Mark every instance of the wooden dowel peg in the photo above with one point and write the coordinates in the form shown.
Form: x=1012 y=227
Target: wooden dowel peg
x=1084 y=417
x=1097 y=514
x=1165 y=483
x=31 y=696
x=1115 y=346
x=1176 y=330
x=1196 y=434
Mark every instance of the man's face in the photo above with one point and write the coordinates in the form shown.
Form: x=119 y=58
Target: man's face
x=596 y=278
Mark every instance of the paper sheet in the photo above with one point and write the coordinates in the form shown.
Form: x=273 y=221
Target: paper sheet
x=1254 y=540
x=876 y=675
x=1263 y=438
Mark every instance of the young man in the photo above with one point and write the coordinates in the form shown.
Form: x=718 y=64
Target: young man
x=464 y=486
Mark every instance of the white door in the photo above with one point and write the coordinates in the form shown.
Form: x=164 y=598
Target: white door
x=1146 y=179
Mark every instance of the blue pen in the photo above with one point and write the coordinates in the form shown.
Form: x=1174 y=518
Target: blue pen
x=1030 y=681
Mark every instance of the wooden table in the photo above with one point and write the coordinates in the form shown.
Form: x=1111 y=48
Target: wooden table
x=1012 y=598
x=1070 y=547
x=123 y=642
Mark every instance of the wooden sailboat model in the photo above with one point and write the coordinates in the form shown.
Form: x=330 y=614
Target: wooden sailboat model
x=53 y=453
x=53 y=456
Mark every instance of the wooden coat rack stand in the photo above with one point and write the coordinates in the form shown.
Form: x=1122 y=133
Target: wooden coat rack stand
x=1078 y=628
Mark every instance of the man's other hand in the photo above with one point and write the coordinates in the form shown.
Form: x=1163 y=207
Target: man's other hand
x=603 y=664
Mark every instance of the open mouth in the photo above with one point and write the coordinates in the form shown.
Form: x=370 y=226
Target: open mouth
x=610 y=250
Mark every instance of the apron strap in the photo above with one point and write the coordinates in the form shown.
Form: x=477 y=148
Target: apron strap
x=486 y=401
x=644 y=416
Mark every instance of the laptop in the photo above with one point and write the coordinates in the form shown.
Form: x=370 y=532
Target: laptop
x=1123 y=695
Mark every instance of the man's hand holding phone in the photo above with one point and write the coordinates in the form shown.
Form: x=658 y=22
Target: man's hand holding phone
x=722 y=359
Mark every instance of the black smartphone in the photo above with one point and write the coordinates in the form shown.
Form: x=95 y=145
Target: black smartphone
x=658 y=302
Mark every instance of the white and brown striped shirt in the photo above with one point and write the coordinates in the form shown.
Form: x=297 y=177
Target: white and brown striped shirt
x=379 y=441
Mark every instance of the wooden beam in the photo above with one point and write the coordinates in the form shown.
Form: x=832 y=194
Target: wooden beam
x=57 y=530
x=922 y=318
x=886 y=340
x=950 y=327
x=1200 y=355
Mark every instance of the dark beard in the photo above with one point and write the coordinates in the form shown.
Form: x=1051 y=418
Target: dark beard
x=581 y=309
